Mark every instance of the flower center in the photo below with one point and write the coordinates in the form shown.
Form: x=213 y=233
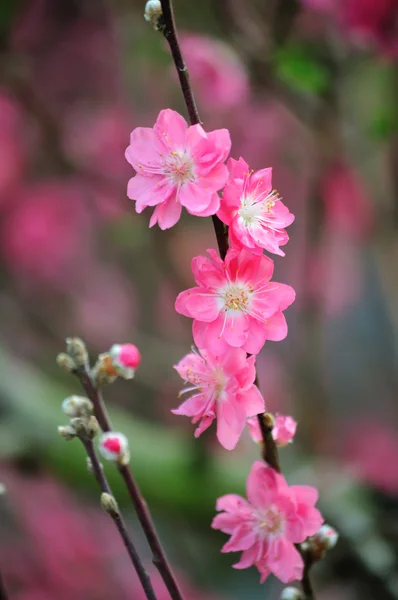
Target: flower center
x=236 y=297
x=256 y=208
x=270 y=521
x=179 y=166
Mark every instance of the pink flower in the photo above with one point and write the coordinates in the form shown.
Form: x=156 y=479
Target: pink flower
x=235 y=303
x=126 y=358
x=177 y=166
x=373 y=21
x=283 y=432
x=218 y=74
x=266 y=527
x=253 y=211
x=224 y=388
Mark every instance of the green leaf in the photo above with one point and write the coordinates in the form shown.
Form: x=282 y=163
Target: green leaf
x=303 y=72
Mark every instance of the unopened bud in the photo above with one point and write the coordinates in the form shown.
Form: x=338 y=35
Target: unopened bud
x=126 y=358
x=109 y=504
x=90 y=467
x=327 y=536
x=68 y=432
x=284 y=430
x=77 y=406
x=76 y=349
x=85 y=426
x=114 y=446
x=291 y=593
x=153 y=13
x=268 y=420
x=66 y=362
x=104 y=370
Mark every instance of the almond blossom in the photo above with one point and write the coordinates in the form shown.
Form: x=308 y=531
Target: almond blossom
x=267 y=525
x=177 y=166
x=235 y=303
x=224 y=388
x=254 y=211
x=283 y=431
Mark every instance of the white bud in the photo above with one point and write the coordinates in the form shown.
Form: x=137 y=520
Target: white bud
x=76 y=349
x=327 y=536
x=67 y=432
x=153 y=12
x=291 y=593
x=77 y=406
x=114 y=446
x=109 y=504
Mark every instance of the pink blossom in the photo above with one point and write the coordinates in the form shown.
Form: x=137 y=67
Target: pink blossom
x=177 y=166
x=223 y=387
x=126 y=358
x=283 y=432
x=235 y=303
x=373 y=21
x=267 y=525
x=217 y=72
x=253 y=210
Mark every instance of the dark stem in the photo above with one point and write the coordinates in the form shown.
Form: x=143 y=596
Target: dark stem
x=3 y=591
x=306 y=580
x=169 y=30
x=119 y=521
x=159 y=558
x=270 y=451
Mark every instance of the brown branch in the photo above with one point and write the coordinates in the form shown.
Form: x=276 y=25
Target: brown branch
x=169 y=30
x=118 y=519
x=159 y=558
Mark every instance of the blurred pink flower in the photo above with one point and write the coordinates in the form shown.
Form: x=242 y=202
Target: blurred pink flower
x=266 y=527
x=218 y=74
x=12 y=137
x=177 y=166
x=348 y=207
x=371 y=449
x=253 y=210
x=223 y=388
x=283 y=432
x=235 y=303
x=46 y=233
x=373 y=21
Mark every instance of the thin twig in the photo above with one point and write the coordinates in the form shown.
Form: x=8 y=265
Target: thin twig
x=118 y=520
x=159 y=558
x=169 y=30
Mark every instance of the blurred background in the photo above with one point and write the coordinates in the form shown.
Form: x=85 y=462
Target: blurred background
x=308 y=87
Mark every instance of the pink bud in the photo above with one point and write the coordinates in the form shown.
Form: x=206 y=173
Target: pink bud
x=327 y=536
x=284 y=430
x=114 y=446
x=126 y=358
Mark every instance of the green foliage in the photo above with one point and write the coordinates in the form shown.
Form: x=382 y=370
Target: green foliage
x=300 y=69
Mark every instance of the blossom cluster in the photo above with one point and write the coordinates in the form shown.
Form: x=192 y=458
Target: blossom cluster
x=235 y=308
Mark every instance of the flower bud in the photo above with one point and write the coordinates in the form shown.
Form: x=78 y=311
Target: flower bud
x=77 y=406
x=66 y=362
x=114 y=446
x=291 y=593
x=68 y=432
x=284 y=430
x=125 y=358
x=76 y=349
x=109 y=504
x=104 y=370
x=85 y=426
x=327 y=536
x=153 y=13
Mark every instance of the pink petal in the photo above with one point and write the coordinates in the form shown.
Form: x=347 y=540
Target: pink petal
x=213 y=207
x=216 y=178
x=190 y=364
x=261 y=485
x=145 y=149
x=166 y=214
x=238 y=169
x=226 y=522
x=195 y=198
x=276 y=327
x=261 y=181
x=148 y=191
x=236 y=329
x=304 y=494
x=181 y=304
x=233 y=361
x=252 y=401
x=231 y=503
x=192 y=407
x=243 y=538
x=204 y=424
x=231 y=420
x=172 y=129
x=285 y=562
x=256 y=337
x=248 y=558
x=200 y=304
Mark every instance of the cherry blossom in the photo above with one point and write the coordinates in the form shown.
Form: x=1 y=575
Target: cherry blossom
x=267 y=525
x=235 y=303
x=125 y=358
x=177 y=166
x=223 y=387
x=254 y=211
x=283 y=431
x=114 y=446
